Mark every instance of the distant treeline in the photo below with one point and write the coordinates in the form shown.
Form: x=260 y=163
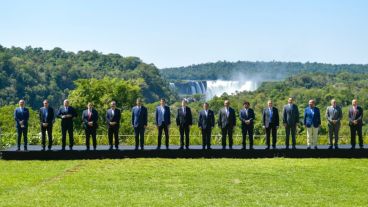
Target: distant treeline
x=35 y=74
x=268 y=70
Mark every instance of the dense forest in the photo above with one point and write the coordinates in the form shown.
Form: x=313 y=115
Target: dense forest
x=35 y=74
x=267 y=70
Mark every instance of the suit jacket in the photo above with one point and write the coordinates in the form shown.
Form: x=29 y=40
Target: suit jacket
x=358 y=116
x=290 y=115
x=66 y=121
x=206 y=122
x=93 y=118
x=113 y=118
x=334 y=114
x=46 y=115
x=20 y=115
x=312 y=117
x=266 y=119
x=247 y=116
x=139 y=116
x=184 y=119
x=163 y=117
x=225 y=120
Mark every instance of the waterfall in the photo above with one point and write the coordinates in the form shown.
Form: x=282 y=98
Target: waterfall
x=211 y=88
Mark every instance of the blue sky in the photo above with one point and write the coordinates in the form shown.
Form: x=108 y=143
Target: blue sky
x=178 y=33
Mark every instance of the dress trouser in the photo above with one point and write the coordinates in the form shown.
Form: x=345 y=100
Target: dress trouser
x=64 y=130
x=354 y=129
x=333 y=134
x=164 y=128
x=227 y=130
x=206 y=137
x=271 y=130
x=184 y=130
x=139 y=136
x=22 y=131
x=290 y=129
x=47 y=129
x=113 y=132
x=312 y=136
x=91 y=131
x=247 y=130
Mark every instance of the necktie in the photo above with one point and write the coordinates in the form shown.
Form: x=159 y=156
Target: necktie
x=89 y=115
x=246 y=112
x=206 y=113
x=112 y=112
x=45 y=114
x=184 y=110
x=270 y=113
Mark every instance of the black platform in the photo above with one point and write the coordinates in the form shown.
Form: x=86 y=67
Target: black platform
x=102 y=152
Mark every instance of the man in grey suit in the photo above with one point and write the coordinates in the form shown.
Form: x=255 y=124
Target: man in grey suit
x=270 y=120
x=226 y=122
x=290 y=119
x=334 y=116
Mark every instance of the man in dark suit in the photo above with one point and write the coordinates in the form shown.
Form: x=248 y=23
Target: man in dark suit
x=66 y=114
x=333 y=116
x=163 y=121
x=290 y=119
x=271 y=122
x=139 y=123
x=312 y=121
x=47 y=119
x=113 y=116
x=247 y=117
x=90 y=118
x=184 y=121
x=356 y=123
x=21 y=117
x=227 y=122
x=206 y=122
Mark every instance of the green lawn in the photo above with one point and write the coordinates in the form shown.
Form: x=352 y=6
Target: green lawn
x=185 y=182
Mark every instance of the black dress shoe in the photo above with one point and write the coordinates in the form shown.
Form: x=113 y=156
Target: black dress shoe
x=136 y=148
x=25 y=148
x=251 y=148
x=287 y=147
x=94 y=148
x=352 y=147
x=158 y=148
x=70 y=148
x=361 y=147
x=243 y=148
x=274 y=147
x=63 y=149
x=43 y=149
x=142 y=148
x=180 y=148
x=308 y=148
x=186 y=147
x=167 y=147
x=87 y=148
x=18 y=149
x=330 y=147
x=209 y=148
x=293 y=147
x=315 y=147
x=267 y=148
x=231 y=147
x=116 y=147
x=110 y=148
x=223 y=148
x=336 y=147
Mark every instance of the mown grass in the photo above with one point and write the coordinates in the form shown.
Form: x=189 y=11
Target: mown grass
x=185 y=182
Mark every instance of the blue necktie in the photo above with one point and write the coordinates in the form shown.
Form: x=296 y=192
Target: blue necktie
x=45 y=114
